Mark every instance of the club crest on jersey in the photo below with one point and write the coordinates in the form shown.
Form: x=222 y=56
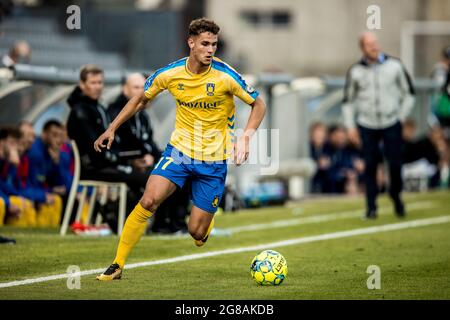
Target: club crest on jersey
x=250 y=89
x=215 y=202
x=210 y=87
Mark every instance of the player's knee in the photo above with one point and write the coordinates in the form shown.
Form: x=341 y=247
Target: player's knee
x=196 y=233
x=149 y=203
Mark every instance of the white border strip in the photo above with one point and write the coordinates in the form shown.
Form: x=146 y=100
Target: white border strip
x=327 y=236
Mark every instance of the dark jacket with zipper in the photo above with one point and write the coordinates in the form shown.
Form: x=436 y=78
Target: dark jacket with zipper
x=87 y=121
x=136 y=134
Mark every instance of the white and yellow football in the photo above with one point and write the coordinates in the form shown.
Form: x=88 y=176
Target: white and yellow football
x=269 y=268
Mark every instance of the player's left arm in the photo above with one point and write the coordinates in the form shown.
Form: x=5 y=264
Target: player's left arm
x=243 y=144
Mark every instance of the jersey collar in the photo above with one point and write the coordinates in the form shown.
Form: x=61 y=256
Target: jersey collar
x=196 y=75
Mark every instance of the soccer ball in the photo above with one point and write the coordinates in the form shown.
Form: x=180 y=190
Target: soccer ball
x=269 y=268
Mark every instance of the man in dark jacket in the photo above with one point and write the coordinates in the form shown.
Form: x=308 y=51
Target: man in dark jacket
x=87 y=120
x=136 y=135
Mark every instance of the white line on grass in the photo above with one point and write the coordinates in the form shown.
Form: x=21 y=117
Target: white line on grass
x=323 y=217
x=322 y=237
x=301 y=220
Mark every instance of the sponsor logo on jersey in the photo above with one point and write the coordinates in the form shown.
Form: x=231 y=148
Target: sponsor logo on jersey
x=200 y=104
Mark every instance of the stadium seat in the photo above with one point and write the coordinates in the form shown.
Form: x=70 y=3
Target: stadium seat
x=95 y=185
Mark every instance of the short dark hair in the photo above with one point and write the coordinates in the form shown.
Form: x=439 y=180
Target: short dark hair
x=6 y=132
x=3 y=133
x=50 y=123
x=334 y=128
x=89 y=69
x=201 y=25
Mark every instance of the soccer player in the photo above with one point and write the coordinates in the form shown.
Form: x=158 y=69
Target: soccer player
x=203 y=87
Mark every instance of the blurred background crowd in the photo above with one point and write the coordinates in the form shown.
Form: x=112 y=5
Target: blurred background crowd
x=340 y=164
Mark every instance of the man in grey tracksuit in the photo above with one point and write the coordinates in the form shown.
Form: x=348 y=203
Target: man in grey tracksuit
x=379 y=93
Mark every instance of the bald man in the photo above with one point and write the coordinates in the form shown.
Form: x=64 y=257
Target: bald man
x=379 y=94
x=20 y=52
x=136 y=135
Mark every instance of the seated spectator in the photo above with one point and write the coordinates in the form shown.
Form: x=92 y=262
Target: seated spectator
x=87 y=120
x=431 y=148
x=341 y=173
x=40 y=207
x=18 y=211
x=67 y=161
x=25 y=182
x=135 y=136
x=46 y=172
x=318 y=138
x=47 y=161
x=7 y=209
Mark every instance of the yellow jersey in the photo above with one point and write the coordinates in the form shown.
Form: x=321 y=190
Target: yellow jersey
x=205 y=115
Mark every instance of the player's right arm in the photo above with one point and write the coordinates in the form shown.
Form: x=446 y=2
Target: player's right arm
x=153 y=86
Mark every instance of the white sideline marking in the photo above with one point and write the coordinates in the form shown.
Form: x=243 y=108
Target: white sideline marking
x=303 y=220
x=327 y=236
x=325 y=217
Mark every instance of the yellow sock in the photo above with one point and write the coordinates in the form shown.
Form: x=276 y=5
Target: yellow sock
x=132 y=232
x=211 y=226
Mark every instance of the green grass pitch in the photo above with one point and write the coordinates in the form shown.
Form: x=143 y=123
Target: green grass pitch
x=414 y=262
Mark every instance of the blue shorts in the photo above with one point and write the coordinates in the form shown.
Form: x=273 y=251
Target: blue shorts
x=207 y=178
